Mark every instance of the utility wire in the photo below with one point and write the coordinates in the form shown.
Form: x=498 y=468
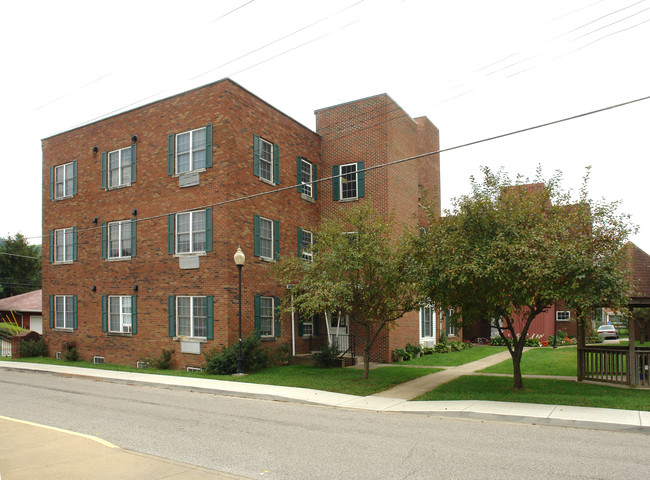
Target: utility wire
x=22 y=256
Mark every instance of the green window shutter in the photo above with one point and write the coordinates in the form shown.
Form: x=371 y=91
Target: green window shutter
x=134 y=314
x=104 y=239
x=134 y=236
x=51 y=183
x=74 y=177
x=276 y=239
x=104 y=166
x=361 y=180
x=209 y=303
x=171 y=146
x=276 y=164
x=314 y=186
x=104 y=313
x=299 y=173
x=171 y=244
x=256 y=242
x=314 y=327
x=301 y=330
x=299 y=242
x=171 y=315
x=258 y=318
x=336 y=183
x=208 y=229
x=51 y=247
x=51 y=305
x=422 y=321
x=278 y=333
x=256 y=155
x=74 y=244
x=208 y=145
x=133 y=162
x=74 y=313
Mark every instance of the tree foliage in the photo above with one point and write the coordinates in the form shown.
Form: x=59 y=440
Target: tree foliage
x=20 y=272
x=358 y=269
x=508 y=251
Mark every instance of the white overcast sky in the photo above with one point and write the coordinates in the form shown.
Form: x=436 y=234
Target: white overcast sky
x=476 y=68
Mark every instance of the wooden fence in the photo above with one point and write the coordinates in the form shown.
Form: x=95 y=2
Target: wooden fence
x=612 y=364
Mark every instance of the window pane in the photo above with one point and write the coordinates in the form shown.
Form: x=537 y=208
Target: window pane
x=183 y=316
x=125 y=155
x=59 y=181
x=183 y=232
x=306 y=177
x=198 y=149
x=266 y=316
x=183 y=152
x=114 y=314
x=125 y=228
x=198 y=231
x=68 y=244
x=113 y=169
x=59 y=312
x=68 y=312
x=349 y=181
x=68 y=179
x=59 y=246
x=200 y=320
x=266 y=160
x=266 y=238
x=113 y=240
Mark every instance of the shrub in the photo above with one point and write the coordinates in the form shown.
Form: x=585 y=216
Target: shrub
x=281 y=355
x=427 y=350
x=401 y=353
x=413 y=350
x=442 y=348
x=443 y=337
x=33 y=348
x=456 y=346
x=533 y=342
x=225 y=361
x=327 y=357
x=165 y=360
x=594 y=339
x=72 y=355
x=499 y=342
x=467 y=345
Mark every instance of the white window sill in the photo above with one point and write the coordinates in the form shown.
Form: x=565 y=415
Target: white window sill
x=118 y=259
x=182 y=338
x=61 y=329
x=270 y=182
x=120 y=334
x=190 y=254
x=56 y=199
x=307 y=198
x=267 y=259
x=353 y=199
x=117 y=187
x=198 y=170
x=267 y=338
x=66 y=262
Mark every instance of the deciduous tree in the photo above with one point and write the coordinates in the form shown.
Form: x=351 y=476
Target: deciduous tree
x=20 y=266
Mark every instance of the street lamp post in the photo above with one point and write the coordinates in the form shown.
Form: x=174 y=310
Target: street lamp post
x=240 y=258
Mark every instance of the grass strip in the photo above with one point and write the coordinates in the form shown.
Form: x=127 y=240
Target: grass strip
x=453 y=359
x=540 y=390
x=542 y=361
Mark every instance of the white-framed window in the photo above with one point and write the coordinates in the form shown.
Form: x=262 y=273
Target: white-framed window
x=306 y=177
x=307 y=245
x=267 y=316
x=64 y=311
x=308 y=327
x=64 y=180
x=266 y=238
x=119 y=168
x=119 y=239
x=191 y=232
x=190 y=150
x=64 y=245
x=119 y=314
x=191 y=317
x=428 y=318
x=563 y=315
x=266 y=160
x=348 y=181
x=451 y=328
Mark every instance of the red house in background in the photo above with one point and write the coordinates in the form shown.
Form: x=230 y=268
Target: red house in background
x=25 y=310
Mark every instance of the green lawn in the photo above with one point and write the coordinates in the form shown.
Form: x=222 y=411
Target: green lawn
x=453 y=359
x=637 y=342
x=542 y=361
x=340 y=380
x=539 y=390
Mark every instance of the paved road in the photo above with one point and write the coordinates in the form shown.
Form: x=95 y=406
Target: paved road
x=256 y=438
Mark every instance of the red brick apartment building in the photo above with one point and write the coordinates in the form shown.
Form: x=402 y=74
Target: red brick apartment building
x=140 y=226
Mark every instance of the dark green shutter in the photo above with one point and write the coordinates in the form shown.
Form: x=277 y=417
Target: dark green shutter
x=276 y=164
x=74 y=312
x=422 y=321
x=301 y=330
x=104 y=175
x=134 y=314
x=133 y=163
x=209 y=303
x=171 y=146
x=51 y=305
x=104 y=313
x=51 y=183
x=361 y=180
x=74 y=244
x=104 y=236
x=74 y=177
x=299 y=173
x=277 y=315
x=134 y=236
x=258 y=318
x=256 y=239
x=256 y=155
x=336 y=183
x=314 y=177
x=208 y=145
x=276 y=239
x=208 y=229
x=171 y=315
x=51 y=247
x=299 y=242
x=314 y=323
x=171 y=234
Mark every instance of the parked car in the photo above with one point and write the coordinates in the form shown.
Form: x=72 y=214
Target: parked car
x=607 y=331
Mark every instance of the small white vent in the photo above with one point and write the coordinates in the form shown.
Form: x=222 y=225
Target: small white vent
x=194 y=369
x=97 y=359
x=141 y=364
x=58 y=355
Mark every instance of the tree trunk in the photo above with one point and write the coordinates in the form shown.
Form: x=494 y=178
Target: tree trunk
x=516 y=367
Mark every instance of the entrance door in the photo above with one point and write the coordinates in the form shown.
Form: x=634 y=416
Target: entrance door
x=339 y=332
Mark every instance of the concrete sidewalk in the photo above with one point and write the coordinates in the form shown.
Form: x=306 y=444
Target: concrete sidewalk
x=69 y=455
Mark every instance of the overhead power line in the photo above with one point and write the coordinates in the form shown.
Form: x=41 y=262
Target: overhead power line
x=22 y=256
